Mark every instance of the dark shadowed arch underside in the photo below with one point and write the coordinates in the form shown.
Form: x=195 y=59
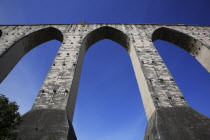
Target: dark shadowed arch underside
x=0 y=33
x=106 y=32
x=13 y=54
x=193 y=46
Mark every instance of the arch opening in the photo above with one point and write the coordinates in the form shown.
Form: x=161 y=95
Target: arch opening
x=193 y=46
x=25 y=80
x=13 y=54
x=108 y=92
x=106 y=32
x=90 y=39
x=190 y=76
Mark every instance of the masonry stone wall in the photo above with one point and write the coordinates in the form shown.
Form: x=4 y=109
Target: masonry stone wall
x=59 y=90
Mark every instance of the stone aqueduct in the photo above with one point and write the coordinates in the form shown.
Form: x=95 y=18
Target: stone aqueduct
x=169 y=116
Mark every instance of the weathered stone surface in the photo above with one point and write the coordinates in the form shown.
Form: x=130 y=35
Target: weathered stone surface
x=177 y=123
x=59 y=90
x=44 y=124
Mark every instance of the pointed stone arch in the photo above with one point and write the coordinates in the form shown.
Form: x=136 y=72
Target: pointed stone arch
x=11 y=56
x=168 y=113
x=92 y=37
x=195 y=47
x=106 y=32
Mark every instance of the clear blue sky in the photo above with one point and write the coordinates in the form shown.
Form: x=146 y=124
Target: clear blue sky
x=108 y=106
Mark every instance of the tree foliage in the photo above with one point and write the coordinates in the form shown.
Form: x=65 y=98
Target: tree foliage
x=9 y=118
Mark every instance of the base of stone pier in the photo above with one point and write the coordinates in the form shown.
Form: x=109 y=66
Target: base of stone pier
x=178 y=123
x=46 y=125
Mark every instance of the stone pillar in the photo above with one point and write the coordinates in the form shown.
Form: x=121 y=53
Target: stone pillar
x=168 y=114
x=57 y=97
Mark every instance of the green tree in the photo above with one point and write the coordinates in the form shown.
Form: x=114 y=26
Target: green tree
x=9 y=118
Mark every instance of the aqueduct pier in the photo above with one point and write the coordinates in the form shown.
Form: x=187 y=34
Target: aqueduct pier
x=169 y=116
